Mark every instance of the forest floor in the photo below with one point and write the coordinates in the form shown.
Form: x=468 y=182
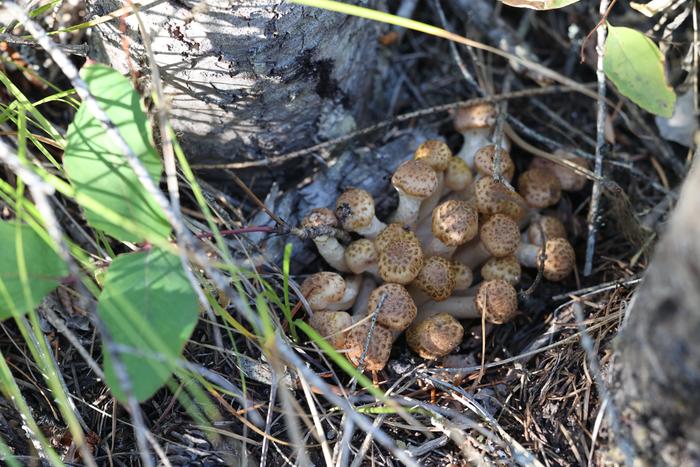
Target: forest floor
x=528 y=393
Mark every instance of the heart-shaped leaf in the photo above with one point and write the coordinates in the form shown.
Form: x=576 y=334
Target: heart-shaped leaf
x=636 y=67
x=539 y=4
x=97 y=167
x=149 y=308
x=44 y=269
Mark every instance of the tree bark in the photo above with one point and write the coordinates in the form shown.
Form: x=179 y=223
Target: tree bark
x=657 y=373
x=248 y=80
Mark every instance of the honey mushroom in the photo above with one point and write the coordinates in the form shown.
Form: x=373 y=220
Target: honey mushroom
x=354 y=209
x=506 y=268
x=328 y=246
x=458 y=176
x=560 y=258
x=401 y=259
x=547 y=226
x=435 y=336
x=498 y=236
x=436 y=281
x=475 y=124
x=463 y=276
x=454 y=223
x=415 y=181
x=484 y=162
x=328 y=291
x=569 y=179
x=361 y=256
x=437 y=155
x=495 y=299
x=540 y=188
x=332 y=326
x=492 y=197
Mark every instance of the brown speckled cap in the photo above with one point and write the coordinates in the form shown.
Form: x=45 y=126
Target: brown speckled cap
x=550 y=226
x=463 y=275
x=401 y=260
x=560 y=261
x=379 y=348
x=483 y=161
x=497 y=301
x=319 y=217
x=391 y=232
x=455 y=222
x=435 y=337
x=539 y=187
x=506 y=268
x=458 y=175
x=332 y=325
x=398 y=309
x=435 y=153
x=492 y=197
x=475 y=116
x=415 y=178
x=354 y=208
x=569 y=179
x=436 y=278
x=322 y=289
x=500 y=235
x=360 y=254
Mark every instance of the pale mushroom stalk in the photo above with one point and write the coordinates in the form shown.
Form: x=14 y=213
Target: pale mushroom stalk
x=473 y=254
x=352 y=287
x=496 y=299
x=437 y=155
x=328 y=246
x=559 y=258
x=414 y=181
x=474 y=139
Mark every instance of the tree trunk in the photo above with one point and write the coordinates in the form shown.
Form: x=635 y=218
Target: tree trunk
x=657 y=375
x=248 y=80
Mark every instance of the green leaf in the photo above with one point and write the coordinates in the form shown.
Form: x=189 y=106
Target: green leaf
x=22 y=247
x=147 y=305
x=96 y=165
x=539 y=4
x=636 y=67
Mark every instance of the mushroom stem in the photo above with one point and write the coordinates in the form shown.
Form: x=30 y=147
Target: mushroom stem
x=359 y=308
x=473 y=254
x=408 y=209
x=352 y=287
x=434 y=247
x=474 y=139
x=527 y=254
x=428 y=204
x=458 y=306
x=373 y=229
x=332 y=251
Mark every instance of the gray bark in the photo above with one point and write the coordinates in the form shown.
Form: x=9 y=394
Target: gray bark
x=657 y=372
x=248 y=80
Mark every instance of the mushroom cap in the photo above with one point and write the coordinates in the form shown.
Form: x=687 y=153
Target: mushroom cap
x=391 y=232
x=475 y=116
x=401 y=260
x=492 y=197
x=539 y=187
x=497 y=301
x=435 y=153
x=550 y=226
x=436 y=278
x=500 y=235
x=560 y=259
x=378 y=350
x=455 y=222
x=360 y=255
x=458 y=175
x=354 y=209
x=322 y=289
x=320 y=217
x=569 y=180
x=483 y=161
x=332 y=325
x=398 y=309
x=506 y=268
x=463 y=275
x=415 y=178
x=435 y=337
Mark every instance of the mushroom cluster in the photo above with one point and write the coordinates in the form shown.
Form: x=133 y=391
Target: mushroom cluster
x=455 y=216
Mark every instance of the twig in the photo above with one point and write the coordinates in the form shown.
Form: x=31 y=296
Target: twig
x=600 y=144
x=77 y=49
x=589 y=348
x=372 y=323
